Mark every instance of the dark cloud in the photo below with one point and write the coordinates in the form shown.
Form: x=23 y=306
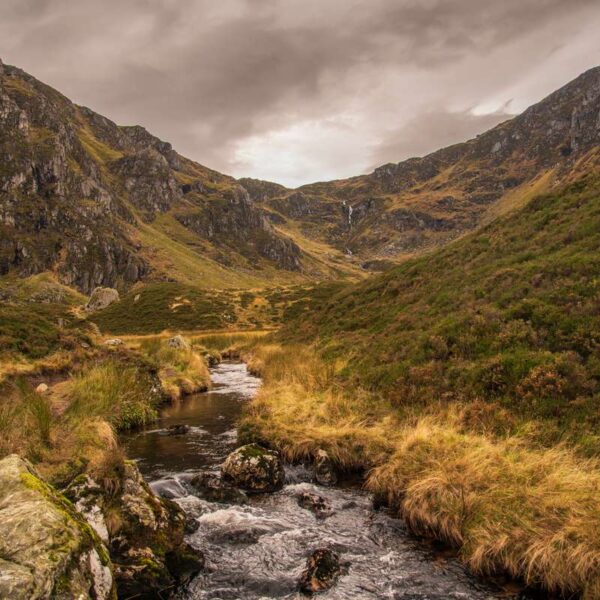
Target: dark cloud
x=298 y=91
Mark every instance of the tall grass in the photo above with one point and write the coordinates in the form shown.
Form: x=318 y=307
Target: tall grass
x=510 y=508
x=115 y=392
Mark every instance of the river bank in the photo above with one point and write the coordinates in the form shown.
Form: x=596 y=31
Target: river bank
x=258 y=548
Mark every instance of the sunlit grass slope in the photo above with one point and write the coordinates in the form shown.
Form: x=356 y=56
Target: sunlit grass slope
x=465 y=384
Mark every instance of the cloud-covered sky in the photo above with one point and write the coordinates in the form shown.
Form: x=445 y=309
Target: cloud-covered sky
x=296 y=91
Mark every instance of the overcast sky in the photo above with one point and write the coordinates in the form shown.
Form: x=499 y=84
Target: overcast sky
x=296 y=91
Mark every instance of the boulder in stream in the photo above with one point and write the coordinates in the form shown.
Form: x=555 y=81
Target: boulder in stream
x=178 y=429
x=315 y=503
x=214 y=488
x=325 y=473
x=254 y=469
x=322 y=571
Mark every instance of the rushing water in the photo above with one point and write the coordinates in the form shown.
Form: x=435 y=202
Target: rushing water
x=257 y=551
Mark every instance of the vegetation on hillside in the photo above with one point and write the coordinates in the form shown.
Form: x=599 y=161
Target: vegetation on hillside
x=466 y=384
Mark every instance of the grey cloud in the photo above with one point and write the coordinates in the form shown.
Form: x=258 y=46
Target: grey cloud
x=209 y=75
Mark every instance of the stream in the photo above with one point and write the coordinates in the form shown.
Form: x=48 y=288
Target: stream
x=258 y=550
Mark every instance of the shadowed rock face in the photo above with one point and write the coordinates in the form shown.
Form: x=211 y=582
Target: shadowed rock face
x=47 y=549
x=75 y=188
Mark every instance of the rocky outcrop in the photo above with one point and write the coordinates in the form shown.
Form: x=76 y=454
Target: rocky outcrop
x=101 y=298
x=254 y=469
x=323 y=568
x=178 y=342
x=144 y=534
x=47 y=550
x=75 y=189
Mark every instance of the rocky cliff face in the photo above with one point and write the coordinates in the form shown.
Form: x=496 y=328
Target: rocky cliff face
x=409 y=206
x=74 y=187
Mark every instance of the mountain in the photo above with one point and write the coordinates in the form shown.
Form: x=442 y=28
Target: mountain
x=101 y=204
x=405 y=208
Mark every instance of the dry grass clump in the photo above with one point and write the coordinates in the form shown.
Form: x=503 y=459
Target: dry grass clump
x=181 y=370
x=531 y=512
x=115 y=392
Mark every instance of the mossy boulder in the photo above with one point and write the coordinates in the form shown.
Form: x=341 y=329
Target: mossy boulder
x=47 y=548
x=101 y=298
x=325 y=472
x=254 y=469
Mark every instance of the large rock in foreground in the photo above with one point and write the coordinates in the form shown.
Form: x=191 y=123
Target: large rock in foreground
x=145 y=534
x=101 y=298
x=254 y=469
x=47 y=549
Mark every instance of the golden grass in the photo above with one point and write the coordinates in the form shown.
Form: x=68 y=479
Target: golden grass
x=529 y=512
x=181 y=370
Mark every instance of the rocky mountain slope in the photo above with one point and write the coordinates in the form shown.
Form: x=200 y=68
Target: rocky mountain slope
x=402 y=209
x=101 y=204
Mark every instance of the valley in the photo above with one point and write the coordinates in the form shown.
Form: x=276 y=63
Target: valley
x=427 y=338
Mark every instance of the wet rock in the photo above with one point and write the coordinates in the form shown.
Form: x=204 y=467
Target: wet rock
x=254 y=469
x=191 y=524
x=325 y=473
x=178 y=429
x=47 y=549
x=101 y=298
x=178 y=342
x=113 y=342
x=42 y=388
x=322 y=571
x=315 y=503
x=214 y=488
x=150 y=546
x=185 y=564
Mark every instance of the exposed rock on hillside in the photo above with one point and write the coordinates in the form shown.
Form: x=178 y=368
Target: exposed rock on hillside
x=46 y=548
x=422 y=202
x=101 y=298
x=76 y=192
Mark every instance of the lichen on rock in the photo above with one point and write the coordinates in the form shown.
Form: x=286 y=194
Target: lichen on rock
x=47 y=549
x=254 y=469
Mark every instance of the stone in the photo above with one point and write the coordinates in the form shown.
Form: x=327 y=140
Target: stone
x=178 y=342
x=42 y=388
x=254 y=469
x=101 y=298
x=212 y=487
x=315 y=503
x=178 y=429
x=47 y=549
x=322 y=571
x=114 y=342
x=324 y=469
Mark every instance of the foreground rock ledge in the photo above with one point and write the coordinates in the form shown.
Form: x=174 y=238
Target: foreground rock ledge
x=47 y=549
x=254 y=469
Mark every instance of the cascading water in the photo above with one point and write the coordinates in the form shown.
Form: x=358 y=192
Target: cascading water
x=258 y=550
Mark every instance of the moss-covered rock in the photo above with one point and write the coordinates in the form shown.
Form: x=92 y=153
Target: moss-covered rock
x=47 y=549
x=145 y=534
x=254 y=469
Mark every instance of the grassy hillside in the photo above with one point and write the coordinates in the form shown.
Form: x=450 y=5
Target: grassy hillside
x=508 y=315
x=466 y=383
